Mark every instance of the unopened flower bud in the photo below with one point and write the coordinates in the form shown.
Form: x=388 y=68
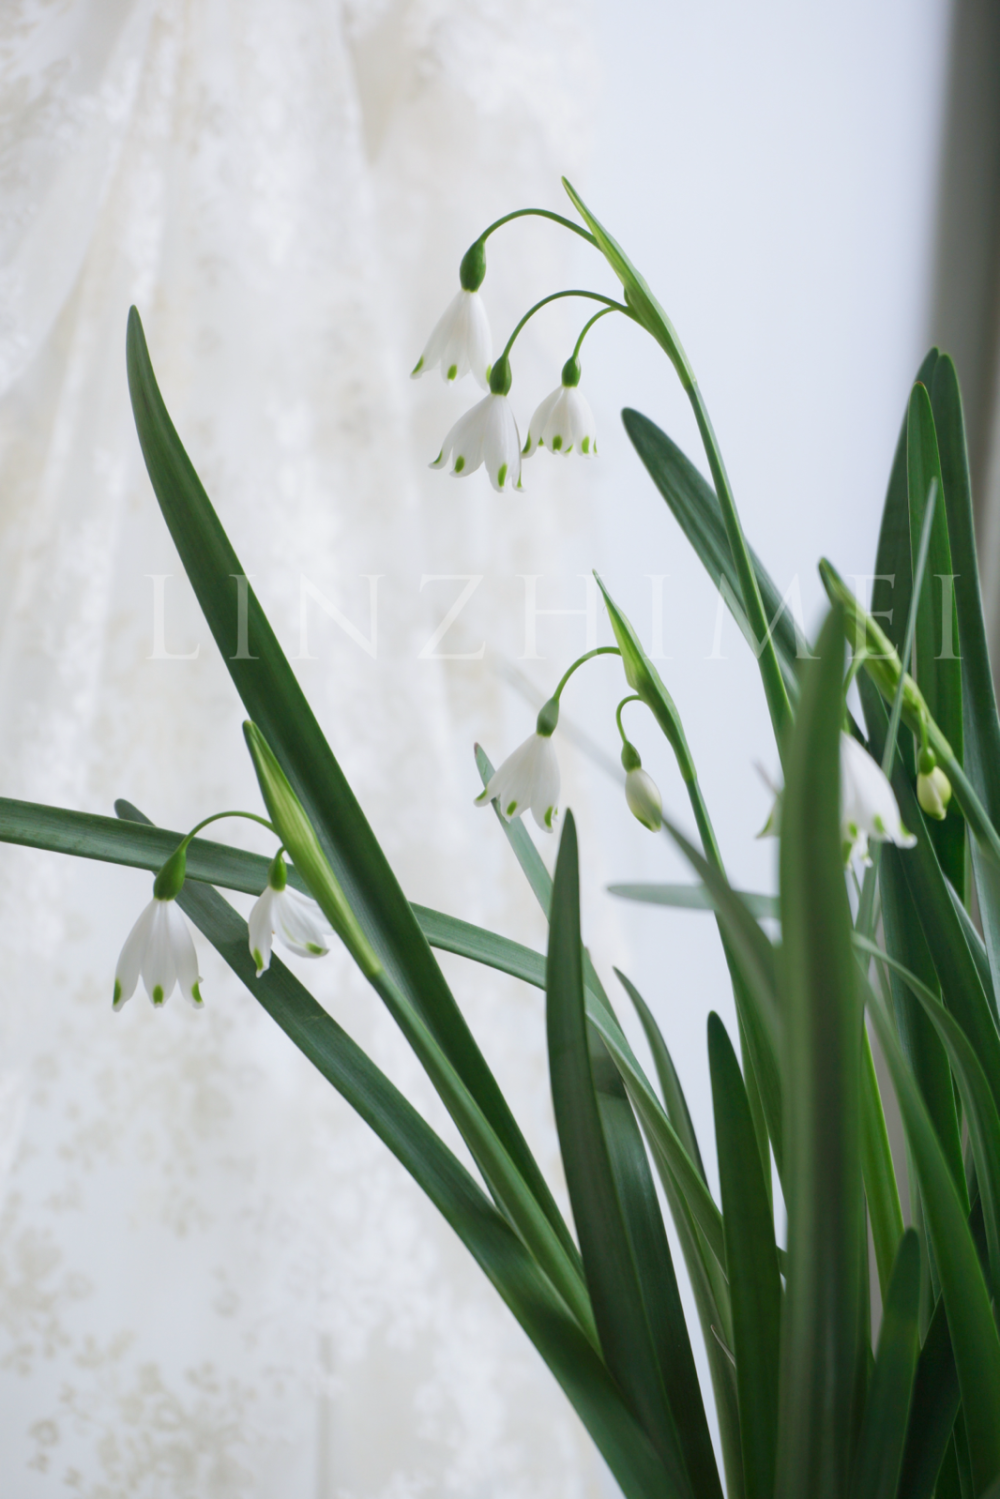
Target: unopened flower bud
x=641 y=791
x=933 y=786
x=472 y=271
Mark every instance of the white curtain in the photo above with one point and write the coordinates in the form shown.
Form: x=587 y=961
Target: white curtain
x=213 y=1280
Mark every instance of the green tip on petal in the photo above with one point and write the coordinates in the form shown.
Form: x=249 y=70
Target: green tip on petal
x=118 y=996
x=258 y=960
x=511 y=809
x=585 y=445
x=459 y=464
x=502 y=475
x=315 y=948
x=196 y=995
x=452 y=371
x=158 y=994
x=482 y=798
x=549 y=814
x=879 y=825
x=417 y=367
x=556 y=443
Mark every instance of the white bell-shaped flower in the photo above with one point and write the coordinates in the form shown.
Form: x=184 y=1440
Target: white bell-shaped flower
x=161 y=949
x=486 y=434
x=563 y=423
x=868 y=807
x=296 y=919
x=527 y=778
x=461 y=342
x=644 y=799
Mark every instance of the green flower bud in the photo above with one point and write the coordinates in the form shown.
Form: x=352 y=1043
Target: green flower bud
x=472 y=271
x=277 y=875
x=927 y=760
x=500 y=376
x=643 y=797
x=167 y=885
x=571 y=372
x=548 y=718
x=630 y=757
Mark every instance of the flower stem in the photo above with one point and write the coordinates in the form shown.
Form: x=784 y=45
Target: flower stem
x=541 y=213
x=635 y=698
x=601 y=650
x=610 y=306
x=587 y=327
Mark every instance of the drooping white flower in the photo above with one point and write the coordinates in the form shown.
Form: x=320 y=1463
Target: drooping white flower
x=486 y=434
x=161 y=949
x=868 y=807
x=527 y=778
x=296 y=919
x=563 y=423
x=461 y=341
x=644 y=799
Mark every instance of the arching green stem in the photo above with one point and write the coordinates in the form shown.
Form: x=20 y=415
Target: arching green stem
x=635 y=698
x=587 y=327
x=548 y=715
x=539 y=213
x=610 y=305
x=170 y=878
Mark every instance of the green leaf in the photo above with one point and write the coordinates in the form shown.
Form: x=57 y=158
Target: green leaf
x=938 y=668
x=980 y=1109
x=970 y=1319
x=935 y=1403
x=485 y=1233
x=823 y=1025
x=666 y=1072
x=275 y=702
x=694 y=898
x=751 y=1264
x=608 y=1252
x=883 y=1433
x=979 y=704
x=878 y=1173
x=696 y=508
x=654 y=1269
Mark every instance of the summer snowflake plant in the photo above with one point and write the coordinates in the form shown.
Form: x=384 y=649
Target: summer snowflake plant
x=887 y=920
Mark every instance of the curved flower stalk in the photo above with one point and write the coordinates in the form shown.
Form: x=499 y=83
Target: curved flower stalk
x=564 y=422
x=487 y=434
x=294 y=918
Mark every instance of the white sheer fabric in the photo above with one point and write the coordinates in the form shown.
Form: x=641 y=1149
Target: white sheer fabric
x=213 y=1280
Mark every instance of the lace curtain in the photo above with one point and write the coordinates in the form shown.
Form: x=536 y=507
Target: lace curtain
x=213 y=1281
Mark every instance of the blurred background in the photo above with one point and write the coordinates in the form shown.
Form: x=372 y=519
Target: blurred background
x=213 y=1281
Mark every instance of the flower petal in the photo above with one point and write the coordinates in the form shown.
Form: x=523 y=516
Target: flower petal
x=538 y=422
x=261 y=928
x=159 y=967
x=545 y=789
x=130 y=960
x=185 y=955
x=300 y=924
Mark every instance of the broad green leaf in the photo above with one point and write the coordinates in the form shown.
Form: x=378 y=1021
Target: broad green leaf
x=957 y=973
x=694 y=898
x=980 y=1110
x=922 y=1047
x=878 y=1173
x=822 y=1015
x=979 y=704
x=935 y=1403
x=609 y=1255
x=666 y=1072
x=980 y=957
x=696 y=508
x=654 y=1269
x=938 y=669
x=970 y=1320
x=275 y=702
x=751 y=1263
x=488 y=1237
x=883 y=1433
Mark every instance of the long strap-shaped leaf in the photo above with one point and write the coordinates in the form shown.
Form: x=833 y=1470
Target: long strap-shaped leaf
x=609 y=1255
x=488 y=1237
x=935 y=1402
x=752 y=1265
x=938 y=668
x=696 y=508
x=970 y=1319
x=822 y=1017
x=979 y=704
x=276 y=703
x=883 y=1432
